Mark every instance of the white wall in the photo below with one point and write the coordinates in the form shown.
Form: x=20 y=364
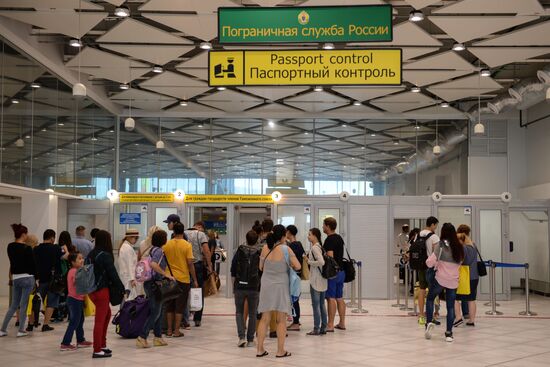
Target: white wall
x=487 y=175
x=9 y=213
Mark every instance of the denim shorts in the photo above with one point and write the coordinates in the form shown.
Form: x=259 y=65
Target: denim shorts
x=52 y=299
x=336 y=286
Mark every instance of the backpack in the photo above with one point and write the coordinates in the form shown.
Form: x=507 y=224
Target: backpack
x=143 y=271
x=295 y=285
x=248 y=272
x=85 y=282
x=330 y=269
x=418 y=253
x=131 y=317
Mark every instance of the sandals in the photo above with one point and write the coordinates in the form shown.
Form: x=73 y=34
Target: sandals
x=180 y=335
x=339 y=327
x=287 y=354
x=262 y=355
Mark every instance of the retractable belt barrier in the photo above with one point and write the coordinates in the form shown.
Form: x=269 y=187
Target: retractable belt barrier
x=492 y=285
x=398 y=286
x=358 y=279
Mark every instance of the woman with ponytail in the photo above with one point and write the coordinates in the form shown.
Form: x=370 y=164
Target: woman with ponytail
x=275 y=288
x=22 y=270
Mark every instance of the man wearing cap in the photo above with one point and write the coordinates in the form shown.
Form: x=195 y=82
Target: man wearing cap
x=171 y=220
x=201 y=255
x=127 y=261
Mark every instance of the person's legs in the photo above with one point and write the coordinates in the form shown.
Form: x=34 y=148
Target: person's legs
x=450 y=297
x=239 y=312
x=273 y=323
x=458 y=309
x=80 y=327
x=464 y=309
x=199 y=271
x=74 y=319
x=340 y=300
x=101 y=303
x=316 y=306
x=331 y=303
x=16 y=294
x=324 y=318
x=434 y=291
x=252 y=297
x=472 y=307
x=262 y=331
x=423 y=285
x=281 y=333
x=245 y=310
x=26 y=289
x=106 y=321
x=154 y=321
x=181 y=303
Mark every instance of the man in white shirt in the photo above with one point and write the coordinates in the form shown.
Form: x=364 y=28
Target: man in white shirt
x=403 y=238
x=431 y=226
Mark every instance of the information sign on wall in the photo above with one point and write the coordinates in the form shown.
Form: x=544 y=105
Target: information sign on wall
x=362 y=23
x=146 y=198
x=251 y=199
x=130 y=218
x=305 y=67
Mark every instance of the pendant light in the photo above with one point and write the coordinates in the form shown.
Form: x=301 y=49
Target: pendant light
x=130 y=123
x=79 y=89
x=479 y=128
x=160 y=143
x=20 y=143
x=437 y=148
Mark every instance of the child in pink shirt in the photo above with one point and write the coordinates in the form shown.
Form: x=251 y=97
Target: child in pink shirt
x=75 y=303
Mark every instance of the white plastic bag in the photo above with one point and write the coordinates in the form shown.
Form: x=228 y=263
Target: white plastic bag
x=195 y=299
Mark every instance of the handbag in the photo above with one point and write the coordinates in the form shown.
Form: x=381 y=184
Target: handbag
x=58 y=283
x=295 y=284
x=463 y=280
x=89 y=307
x=348 y=265
x=166 y=289
x=209 y=287
x=481 y=268
x=305 y=269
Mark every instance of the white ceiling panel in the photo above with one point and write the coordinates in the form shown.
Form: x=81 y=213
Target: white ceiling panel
x=199 y=6
x=435 y=110
x=21 y=69
x=171 y=79
x=420 y=4
x=367 y=93
x=407 y=34
x=197 y=73
x=192 y=107
x=408 y=52
x=197 y=61
x=528 y=7
x=202 y=26
x=496 y=56
x=273 y=93
x=142 y=99
x=133 y=31
x=10 y=88
x=472 y=81
x=427 y=77
x=105 y=65
x=466 y=28
x=403 y=102
x=62 y=99
x=180 y=92
x=535 y=35
x=50 y=4
x=230 y=101
x=115 y=2
x=316 y=101
x=275 y=108
x=456 y=94
x=444 y=61
x=62 y=22
x=156 y=54
x=357 y=109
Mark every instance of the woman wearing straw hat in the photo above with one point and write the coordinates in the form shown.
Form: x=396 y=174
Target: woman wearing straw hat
x=127 y=261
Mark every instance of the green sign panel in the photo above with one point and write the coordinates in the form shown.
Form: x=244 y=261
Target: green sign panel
x=362 y=23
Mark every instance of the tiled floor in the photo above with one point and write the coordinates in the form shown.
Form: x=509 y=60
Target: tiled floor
x=383 y=337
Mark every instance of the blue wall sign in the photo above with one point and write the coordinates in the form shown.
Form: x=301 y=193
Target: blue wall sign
x=130 y=218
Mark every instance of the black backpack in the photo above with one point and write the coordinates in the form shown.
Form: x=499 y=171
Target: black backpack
x=248 y=271
x=418 y=253
x=331 y=269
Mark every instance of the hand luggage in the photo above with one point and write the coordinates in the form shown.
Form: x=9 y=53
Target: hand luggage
x=131 y=317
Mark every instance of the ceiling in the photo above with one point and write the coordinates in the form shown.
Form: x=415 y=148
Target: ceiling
x=230 y=132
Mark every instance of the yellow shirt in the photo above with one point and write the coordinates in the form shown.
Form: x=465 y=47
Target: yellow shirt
x=177 y=252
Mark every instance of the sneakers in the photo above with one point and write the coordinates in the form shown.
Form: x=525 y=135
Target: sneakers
x=241 y=343
x=457 y=323
x=449 y=337
x=470 y=324
x=3 y=333
x=314 y=332
x=84 y=344
x=436 y=322
x=102 y=354
x=159 y=342
x=197 y=324
x=142 y=343
x=21 y=334
x=107 y=350
x=29 y=328
x=421 y=320
x=429 y=329
x=67 y=348
x=250 y=344
x=46 y=328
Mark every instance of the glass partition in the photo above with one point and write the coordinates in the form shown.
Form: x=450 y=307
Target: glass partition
x=490 y=244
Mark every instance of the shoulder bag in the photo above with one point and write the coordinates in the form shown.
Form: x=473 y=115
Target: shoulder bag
x=166 y=289
x=294 y=279
x=58 y=283
x=481 y=268
x=348 y=265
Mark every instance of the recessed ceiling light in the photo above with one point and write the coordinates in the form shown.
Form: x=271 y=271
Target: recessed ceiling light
x=44 y=129
x=124 y=86
x=417 y=127
x=363 y=148
x=357 y=103
x=157 y=69
x=122 y=12
x=271 y=123
x=183 y=103
x=373 y=135
x=239 y=132
x=35 y=85
x=306 y=133
x=199 y=125
x=415 y=89
x=444 y=104
x=328 y=46
x=15 y=101
x=318 y=89
x=396 y=142
x=221 y=88
x=111 y=131
x=27 y=136
x=485 y=72
x=416 y=16
x=94 y=138
x=172 y=132
x=459 y=47
x=205 y=45
x=75 y=43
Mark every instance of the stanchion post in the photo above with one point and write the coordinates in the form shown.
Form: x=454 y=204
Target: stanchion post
x=406 y=306
x=491 y=281
x=359 y=308
x=414 y=312
x=353 y=302
x=398 y=287
x=492 y=286
x=527 y=311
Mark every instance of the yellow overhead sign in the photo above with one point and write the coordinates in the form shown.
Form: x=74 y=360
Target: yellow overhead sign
x=305 y=67
x=146 y=198
x=250 y=199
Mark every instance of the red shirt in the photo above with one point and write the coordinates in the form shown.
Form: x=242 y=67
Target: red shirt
x=71 y=285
